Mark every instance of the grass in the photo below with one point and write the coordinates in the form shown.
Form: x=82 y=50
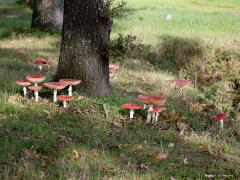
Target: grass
x=43 y=141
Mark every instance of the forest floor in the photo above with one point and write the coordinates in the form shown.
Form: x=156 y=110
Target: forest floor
x=94 y=139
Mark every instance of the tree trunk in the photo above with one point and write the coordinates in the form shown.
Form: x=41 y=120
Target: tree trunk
x=47 y=14
x=85 y=40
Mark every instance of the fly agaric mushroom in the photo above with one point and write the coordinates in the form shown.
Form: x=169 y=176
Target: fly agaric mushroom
x=132 y=107
x=40 y=63
x=155 y=112
x=23 y=83
x=36 y=89
x=70 y=82
x=56 y=86
x=181 y=83
x=152 y=101
x=221 y=118
x=36 y=78
x=64 y=98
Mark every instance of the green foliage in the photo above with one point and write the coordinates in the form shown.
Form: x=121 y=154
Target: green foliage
x=113 y=8
x=127 y=46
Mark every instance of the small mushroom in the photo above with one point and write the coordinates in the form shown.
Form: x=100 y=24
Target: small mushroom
x=40 y=63
x=155 y=112
x=36 y=89
x=23 y=83
x=64 y=98
x=70 y=82
x=55 y=86
x=36 y=78
x=132 y=107
x=181 y=83
x=221 y=118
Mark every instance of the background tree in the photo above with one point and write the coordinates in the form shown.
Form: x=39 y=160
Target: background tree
x=85 y=42
x=47 y=14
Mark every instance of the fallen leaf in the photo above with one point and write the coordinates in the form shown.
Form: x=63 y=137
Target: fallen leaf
x=161 y=156
x=75 y=154
x=93 y=153
x=138 y=147
x=142 y=166
x=104 y=168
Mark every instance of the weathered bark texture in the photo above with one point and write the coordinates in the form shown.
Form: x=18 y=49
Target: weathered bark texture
x=48 y=14
x=85 y=40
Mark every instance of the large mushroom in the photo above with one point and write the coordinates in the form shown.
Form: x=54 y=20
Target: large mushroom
x=70 y=82
x=36 y=89
x=151 y=101
x=221 y=118
x=131 y=107
x=65 y=98
x=36 y=78
x=55 y=86
x=155 y=112
x=23 y=83
x=40 y=63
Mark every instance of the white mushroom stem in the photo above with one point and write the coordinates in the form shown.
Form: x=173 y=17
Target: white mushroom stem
x=131 y=113
x=70 y=90
x=35 y=84
x=157 y=115
x=36 y=95
x=144 y=106
x=55 y=95
x=149 y=113
x=221 y=123
x=40 y=67
x=24 y=92
x=65 y=104
x=153 y=116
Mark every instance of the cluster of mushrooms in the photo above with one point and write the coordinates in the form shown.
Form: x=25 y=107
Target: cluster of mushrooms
x=32 y=83
x=155 y=104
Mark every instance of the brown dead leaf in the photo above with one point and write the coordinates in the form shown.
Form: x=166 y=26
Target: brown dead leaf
x=161 y=156
x=93 y=153
x=104 y=169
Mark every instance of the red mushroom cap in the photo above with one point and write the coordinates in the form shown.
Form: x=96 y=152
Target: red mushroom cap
x=56 y=85
x=152 y=100
x=36 y=78
x=40 y=62
x=181 y=82
x=158 y=109
x=71 y=81
x=221 y=116
x=35 y=88
x=131 y=106
x=23 y=83
x=64 y=98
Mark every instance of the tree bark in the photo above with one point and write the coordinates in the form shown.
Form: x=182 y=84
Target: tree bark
x=47 y=14
x=85 y=41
